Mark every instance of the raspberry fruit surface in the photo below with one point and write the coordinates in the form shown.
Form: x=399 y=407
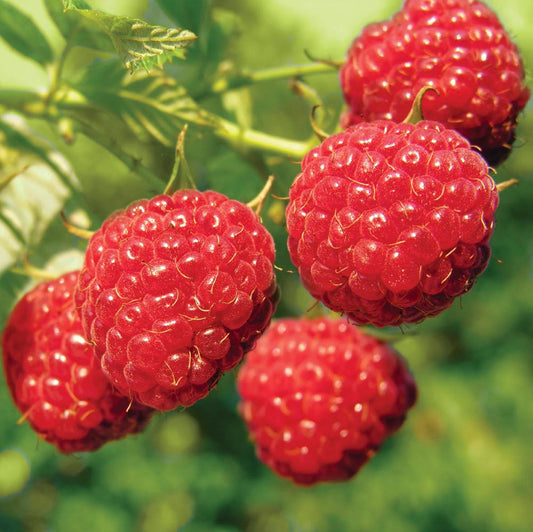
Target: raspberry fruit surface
x=54 y=377
x=174 y=290
x=320 y=396
x=388 y=223
x=458 y=47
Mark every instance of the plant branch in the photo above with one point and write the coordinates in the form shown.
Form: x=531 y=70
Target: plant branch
x=246 y=139
x=236 y=81
x=27 y=101
x=33 y=103
x=58 y=66
x=241 y=139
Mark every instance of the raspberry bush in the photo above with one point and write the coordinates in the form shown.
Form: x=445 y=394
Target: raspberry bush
x=122 y=121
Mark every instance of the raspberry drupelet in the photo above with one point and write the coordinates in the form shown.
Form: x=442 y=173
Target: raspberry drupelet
x=54 y=377
x=458 y=47
x=388 y=223
x=320 y=396
x=174 y=290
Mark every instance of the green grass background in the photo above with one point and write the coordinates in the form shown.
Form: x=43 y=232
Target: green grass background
x=463 y=460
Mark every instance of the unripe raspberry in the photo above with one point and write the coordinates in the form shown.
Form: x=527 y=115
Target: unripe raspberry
x=174 y=290
x=320 y=396
x=458 y=47
x=54 y=377
x=388 y=223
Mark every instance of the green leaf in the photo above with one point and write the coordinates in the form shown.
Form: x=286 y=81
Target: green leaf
x=76 y=4
x=214 y=26
x=101 y=77
x=30 y=201
x=78 y=30
x=152 y=104
x=138 y=44
x=4 y=181
x=15 y=231
x=19 y=136
x=190 y=14
x=22 y=34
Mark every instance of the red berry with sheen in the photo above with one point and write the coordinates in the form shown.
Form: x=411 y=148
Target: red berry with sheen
x=54 y=377
x=388 y=223
x=458 y=47
x=320 y=396
x=174 y=290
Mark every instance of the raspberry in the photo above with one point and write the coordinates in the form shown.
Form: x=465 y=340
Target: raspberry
x=320 y=396
x=55 y=379
x=174 y=290
x=389 y=223
x=458 y=47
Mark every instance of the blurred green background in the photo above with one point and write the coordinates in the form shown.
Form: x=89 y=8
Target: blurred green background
x=462 y=461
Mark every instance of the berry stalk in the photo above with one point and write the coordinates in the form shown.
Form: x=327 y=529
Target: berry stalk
x=237 y=81
x=34 y=103
x=244 y=139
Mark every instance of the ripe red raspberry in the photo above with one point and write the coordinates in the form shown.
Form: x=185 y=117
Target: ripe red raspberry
x=458 y=47
x=54 y=377
x=174 y=290
x=320 y=396
x=389 y=223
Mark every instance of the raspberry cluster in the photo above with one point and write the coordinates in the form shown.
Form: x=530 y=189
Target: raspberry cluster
x=320 y=396
x=388 y=223
x=173 y=291
x=458 y=47
x=55 y=379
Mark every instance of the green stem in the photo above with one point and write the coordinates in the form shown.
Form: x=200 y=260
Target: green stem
x=58 y=66
x=32 y=103
x=29 y=270
x=181 y=176
x=270 y=74
x=415 y=114
x=28 y=102
x=224 y=84
x=243 y=139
